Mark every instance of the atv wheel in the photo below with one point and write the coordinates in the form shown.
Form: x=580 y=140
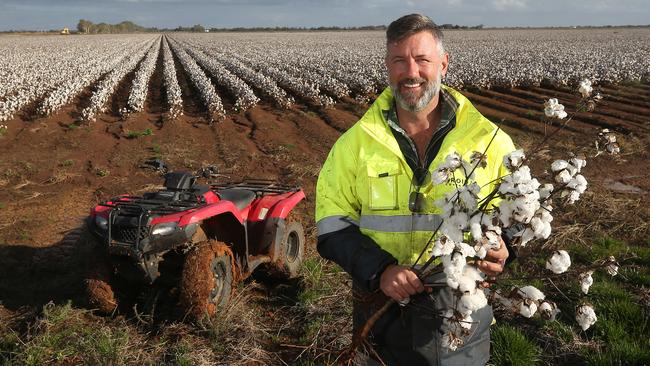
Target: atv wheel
x=207 y=279
x=292 y=249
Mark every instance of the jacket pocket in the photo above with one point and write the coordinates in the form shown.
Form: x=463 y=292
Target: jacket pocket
x=382 y=185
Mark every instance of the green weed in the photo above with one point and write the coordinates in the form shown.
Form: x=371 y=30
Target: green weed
x=67 y=163
x=102 y=172
x=136 y=134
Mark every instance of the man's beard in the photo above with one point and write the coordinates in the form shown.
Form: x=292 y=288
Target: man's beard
x=409 y=100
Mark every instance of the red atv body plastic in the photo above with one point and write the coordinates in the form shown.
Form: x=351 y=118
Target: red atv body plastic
x=249 y=216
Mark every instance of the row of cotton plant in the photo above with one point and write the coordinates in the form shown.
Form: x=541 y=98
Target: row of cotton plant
x=245 y=98
x=107 y=86
x=80 y=79
x=298 y=86
x=208 y=94
x=138 y=93
x=172 y=89
x=267 y=86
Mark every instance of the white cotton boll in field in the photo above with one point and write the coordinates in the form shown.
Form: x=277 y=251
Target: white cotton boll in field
x=558 y=165
x=554 y=109
x=541 y=228
x=559 y=262
x=586 y=316
x=578 y=163
x=586 y=281
x=563 y=177
x=578 y=183
x=527 y=308
x=466 y=249
x=585 y=88
x=612 y=267
x=531 y=292
x=545 y=191
x=571 y=197
x=514 y=160
x=548 y=310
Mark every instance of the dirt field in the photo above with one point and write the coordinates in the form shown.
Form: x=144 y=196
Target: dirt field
x=53 y=170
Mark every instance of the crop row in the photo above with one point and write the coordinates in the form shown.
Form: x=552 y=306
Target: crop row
x=313 y=68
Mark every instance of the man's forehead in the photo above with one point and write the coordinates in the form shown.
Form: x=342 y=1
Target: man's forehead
x=421 y=41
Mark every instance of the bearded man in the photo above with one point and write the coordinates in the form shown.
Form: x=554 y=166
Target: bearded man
x=375 y=202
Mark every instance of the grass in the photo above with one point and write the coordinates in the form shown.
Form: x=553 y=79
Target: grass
x=64 y=335
x=511 y=347
x=136 y=134
x=67 y=163
x=102 y=172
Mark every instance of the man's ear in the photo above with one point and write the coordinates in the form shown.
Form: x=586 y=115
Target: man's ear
x=444 y=64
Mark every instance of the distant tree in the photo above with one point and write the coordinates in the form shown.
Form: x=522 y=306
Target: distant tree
x=84 y=26
x=198 y=28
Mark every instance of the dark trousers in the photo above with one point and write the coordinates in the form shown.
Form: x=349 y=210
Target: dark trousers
x=410 y=335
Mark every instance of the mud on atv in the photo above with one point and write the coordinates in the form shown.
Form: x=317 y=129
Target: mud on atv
x=206 y=238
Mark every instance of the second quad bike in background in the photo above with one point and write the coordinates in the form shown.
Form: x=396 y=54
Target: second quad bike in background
x=204 y=238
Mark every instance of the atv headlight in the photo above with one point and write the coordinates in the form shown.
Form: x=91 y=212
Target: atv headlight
x=101 y=222
x=164 y=229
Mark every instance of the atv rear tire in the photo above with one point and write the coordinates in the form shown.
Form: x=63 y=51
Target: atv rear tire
x=292 y=249
x=207 y=280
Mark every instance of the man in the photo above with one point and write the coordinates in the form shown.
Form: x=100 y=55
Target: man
x=375 y=208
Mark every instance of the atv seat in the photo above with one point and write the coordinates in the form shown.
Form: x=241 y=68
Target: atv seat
x=240 y=197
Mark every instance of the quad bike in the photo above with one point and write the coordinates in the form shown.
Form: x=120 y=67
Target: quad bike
x=206 y=238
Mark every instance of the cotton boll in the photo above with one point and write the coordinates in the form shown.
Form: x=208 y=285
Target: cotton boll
x=545 y=191
x=586 y=316
x=527 y=308
x=531 y=292
x=472 y=302
x=450 y=341
x=559 y=262
x=558 y=165
x=514 y=160
x=563 y=177
x=443 y=246
x=586 y=281
x=548 y=310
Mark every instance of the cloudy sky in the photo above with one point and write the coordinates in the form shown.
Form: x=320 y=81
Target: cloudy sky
x=55 y=14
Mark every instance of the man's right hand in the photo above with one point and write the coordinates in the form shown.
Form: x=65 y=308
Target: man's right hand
x=400 y=282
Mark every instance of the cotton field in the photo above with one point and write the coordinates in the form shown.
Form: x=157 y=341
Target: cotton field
x=233 y=72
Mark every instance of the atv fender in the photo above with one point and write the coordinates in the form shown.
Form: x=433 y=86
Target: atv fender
x=215 y=209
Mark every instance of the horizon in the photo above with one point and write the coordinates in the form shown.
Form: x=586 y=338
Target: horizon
x=42 y=15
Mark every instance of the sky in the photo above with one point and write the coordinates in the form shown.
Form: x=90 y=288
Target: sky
x=56 y=14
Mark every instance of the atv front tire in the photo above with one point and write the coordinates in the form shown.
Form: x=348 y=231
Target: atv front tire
x=97 y=282
x=292 y=249
x=207 y=279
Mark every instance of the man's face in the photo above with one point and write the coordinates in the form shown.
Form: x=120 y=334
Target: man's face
x=415 y=70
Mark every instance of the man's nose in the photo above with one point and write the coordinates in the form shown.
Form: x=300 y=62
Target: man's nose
x=412 y=68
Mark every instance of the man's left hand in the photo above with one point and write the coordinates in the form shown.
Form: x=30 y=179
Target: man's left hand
x=494 y=260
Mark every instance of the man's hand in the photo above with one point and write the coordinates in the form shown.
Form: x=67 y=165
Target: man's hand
x=400 y=282
x=494 y=260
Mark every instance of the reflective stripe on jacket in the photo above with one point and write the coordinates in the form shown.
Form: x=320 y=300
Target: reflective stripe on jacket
x=366 y=181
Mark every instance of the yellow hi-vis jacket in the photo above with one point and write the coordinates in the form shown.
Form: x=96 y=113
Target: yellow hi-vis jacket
x=366 y=181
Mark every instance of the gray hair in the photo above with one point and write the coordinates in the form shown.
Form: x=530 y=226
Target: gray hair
x=411 y=24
